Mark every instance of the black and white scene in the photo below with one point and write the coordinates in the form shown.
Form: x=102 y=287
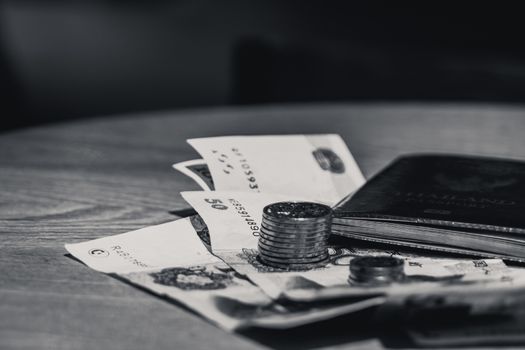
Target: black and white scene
x=197 y=174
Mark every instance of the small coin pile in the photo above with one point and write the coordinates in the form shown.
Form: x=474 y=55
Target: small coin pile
x=294 y=235
x=377 y=270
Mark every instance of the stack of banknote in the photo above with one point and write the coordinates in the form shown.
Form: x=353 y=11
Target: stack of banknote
x=210 y=261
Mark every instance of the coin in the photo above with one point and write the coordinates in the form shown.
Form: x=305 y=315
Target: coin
x=299 y=239
x=294 y=242
x=282 y=261
x=298 y=221
x=297 y=210
x=291 y=249
x=297 y=236
x=306 y=256
x=292 y=231
x=292 y=245
x=303 y=227
x=294 y=260
x=376 y=269
x=321 y=222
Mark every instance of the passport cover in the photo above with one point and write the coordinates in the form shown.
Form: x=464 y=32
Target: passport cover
x=444 y=190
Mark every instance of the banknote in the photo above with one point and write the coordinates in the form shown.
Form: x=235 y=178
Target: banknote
x=198 y=170
x=316 y=167
x=467 y=276
x=171 y=261
x=233 y=220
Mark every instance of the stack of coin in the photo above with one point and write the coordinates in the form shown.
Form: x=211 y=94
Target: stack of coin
x=377 y=270
x=294 y=235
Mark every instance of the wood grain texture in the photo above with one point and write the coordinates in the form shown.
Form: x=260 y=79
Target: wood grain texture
x=84 y=180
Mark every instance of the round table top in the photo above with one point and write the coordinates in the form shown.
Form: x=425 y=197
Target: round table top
x=87 y=179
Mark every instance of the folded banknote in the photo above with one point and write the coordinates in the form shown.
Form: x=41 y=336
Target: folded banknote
x=170 y=260
x=316 y=167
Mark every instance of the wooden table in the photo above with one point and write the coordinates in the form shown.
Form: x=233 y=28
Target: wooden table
x=88 y=179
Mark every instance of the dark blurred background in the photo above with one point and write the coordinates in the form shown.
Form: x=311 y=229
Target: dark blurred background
x=65 y=59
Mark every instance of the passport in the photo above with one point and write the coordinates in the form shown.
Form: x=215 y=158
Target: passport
x=460 y=204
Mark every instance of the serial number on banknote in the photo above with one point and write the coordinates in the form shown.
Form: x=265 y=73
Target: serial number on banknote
x=245 y=167
x=241 y=211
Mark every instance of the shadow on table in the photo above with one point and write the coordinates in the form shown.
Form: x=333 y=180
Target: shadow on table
x=141 y=288
x=356 y=329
